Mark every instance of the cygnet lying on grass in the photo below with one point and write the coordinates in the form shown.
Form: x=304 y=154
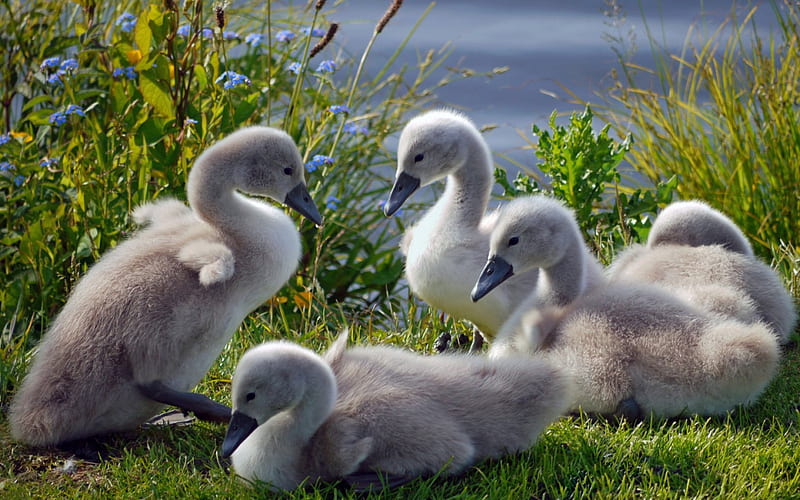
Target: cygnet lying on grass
x=697 y=253
x=633 y=348
x=145 y=323
x=359 y=413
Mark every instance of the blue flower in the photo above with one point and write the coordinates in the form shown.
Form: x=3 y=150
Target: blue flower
x=333 y=203
x=294 y=68
x=58 y=118
x=129 y=73
x=68 y=65
x=338 y=108
x=48 y=162
x=51 y=62
x=6 y=166
x=232 y=79
x=55 y=79
x=184 y=30
x=126 y=22
x=313 y=32
x=230 y=35
x=255 y=39
x=354 y=129
x=74 y=109
x=190 y=121
x=4 y=138
x=285 y=36
x=326 y=66
x=318 y=161
x=208 y=33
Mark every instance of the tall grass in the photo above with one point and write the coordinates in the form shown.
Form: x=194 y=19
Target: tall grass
x=723 y=117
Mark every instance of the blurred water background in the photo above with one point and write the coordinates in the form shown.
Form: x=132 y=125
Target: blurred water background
x=547 y=46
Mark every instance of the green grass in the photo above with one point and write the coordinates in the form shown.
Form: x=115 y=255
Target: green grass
x=751 y=453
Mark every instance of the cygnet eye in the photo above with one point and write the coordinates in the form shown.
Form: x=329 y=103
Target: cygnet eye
x=250 y=396
x=288 y=170
x=419 y=158
x=513 y=241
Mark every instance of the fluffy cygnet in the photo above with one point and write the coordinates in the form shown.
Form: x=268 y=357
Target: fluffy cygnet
x=358 y=413
x=145 y=323
x=697 y=253
x=446 y=249
x=633 y=348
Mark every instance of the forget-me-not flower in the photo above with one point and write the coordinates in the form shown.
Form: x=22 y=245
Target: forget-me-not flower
x=338 y=108
x=255 y=39
x=318 y=161
x=70 y=64
x=55 y=79
x=190 y=121
x=126 y=22
x=326 y=66
x=6 y=166
x=128 y=72
x=285 y=36
x=184 y=30
x=4 y=138
x=314 y=32
x=48 y=162
x=74 y=109
x=354 y=129
x=230 y=35
x=294 y=68
x=232 y=79
x=333 y=203
x=51 y=62
x=208 y=33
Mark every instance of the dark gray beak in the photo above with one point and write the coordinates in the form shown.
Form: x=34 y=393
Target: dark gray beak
x=496 y=271
x=404 y=185
x=240 y=427
x=299 y=199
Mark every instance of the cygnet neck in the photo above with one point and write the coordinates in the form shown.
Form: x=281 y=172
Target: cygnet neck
x=564 y=281
x=468 y=188
x=211 y=191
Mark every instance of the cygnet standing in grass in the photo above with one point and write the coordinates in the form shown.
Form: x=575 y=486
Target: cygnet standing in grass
x=446 y=249
x=145 y=323
x=633 y=348
x=699 y=254
x=357 y=414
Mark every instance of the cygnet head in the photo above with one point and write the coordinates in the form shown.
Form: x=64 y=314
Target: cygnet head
x=256 y=160
x=533 y=231
x=432 y=146
x=694 y=223
x=275 y=377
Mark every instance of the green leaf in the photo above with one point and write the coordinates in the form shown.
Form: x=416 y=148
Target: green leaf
x=156 y=94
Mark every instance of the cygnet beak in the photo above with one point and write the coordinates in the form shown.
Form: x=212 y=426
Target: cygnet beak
x=240 y=427
x=496 y=271
x=299 y=199
x=404 y=185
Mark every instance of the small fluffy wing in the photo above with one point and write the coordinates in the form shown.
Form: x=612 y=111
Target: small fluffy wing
x=213 y=260
x=160 y=211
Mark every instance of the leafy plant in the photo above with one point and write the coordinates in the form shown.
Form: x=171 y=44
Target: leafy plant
x=582 y=169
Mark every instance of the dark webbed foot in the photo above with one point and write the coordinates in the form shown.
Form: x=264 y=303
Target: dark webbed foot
x=202 y=406
x=477 y=342
x=629 y=409
x=442 y=342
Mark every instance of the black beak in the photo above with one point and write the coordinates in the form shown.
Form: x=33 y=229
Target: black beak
x=404 y=185
x=299 y=199
x=240 y=427
x=496 y=271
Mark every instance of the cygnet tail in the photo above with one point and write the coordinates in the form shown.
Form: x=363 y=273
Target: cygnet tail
x=40 y=421
x=339 y=346
x=739 y=360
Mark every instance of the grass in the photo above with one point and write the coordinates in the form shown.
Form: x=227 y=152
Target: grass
x=751 y=453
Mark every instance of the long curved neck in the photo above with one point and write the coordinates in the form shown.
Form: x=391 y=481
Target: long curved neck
x=468 y=189
x=564 y=281
x=211 y=191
